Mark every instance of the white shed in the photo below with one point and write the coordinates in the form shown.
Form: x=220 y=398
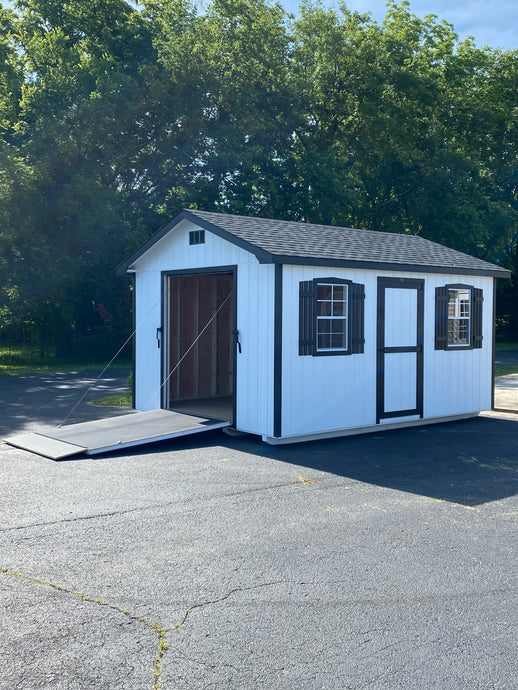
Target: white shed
x=295 y=331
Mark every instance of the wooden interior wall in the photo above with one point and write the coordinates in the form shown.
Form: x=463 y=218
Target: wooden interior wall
x=207 y=369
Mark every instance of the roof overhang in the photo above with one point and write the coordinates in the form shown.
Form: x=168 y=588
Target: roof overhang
x=265 y=257
x=386 y=266
x=262 y=256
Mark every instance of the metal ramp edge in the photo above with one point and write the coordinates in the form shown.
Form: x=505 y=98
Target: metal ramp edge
x=114 y=433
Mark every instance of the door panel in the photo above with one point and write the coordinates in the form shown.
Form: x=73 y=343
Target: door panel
x=400 y=317
x=400 y=348
x=400 y=381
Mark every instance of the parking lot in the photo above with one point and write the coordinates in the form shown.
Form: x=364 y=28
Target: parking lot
x=379 y=561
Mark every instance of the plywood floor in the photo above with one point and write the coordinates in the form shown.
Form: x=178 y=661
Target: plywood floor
x=219 y=408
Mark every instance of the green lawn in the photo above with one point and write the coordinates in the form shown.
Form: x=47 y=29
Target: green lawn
x=504 y=371
x=506 y=346
x=120 y=400
x=22 y=359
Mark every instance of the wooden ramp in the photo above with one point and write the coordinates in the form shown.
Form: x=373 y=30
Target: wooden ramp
x=114 y=433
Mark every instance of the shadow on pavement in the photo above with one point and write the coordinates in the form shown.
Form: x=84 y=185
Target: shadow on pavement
x=36 y=400
x=468 y=462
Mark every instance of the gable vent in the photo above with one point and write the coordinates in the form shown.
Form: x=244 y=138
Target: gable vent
x=197 y=237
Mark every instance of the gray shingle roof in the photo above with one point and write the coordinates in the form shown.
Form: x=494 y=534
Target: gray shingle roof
x=278 y=241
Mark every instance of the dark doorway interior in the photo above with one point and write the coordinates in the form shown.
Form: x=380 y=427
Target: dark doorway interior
x=199 y=355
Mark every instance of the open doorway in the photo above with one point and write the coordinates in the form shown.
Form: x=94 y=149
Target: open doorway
x=199 y=343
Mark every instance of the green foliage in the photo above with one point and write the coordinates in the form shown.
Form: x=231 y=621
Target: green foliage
x=114 y=116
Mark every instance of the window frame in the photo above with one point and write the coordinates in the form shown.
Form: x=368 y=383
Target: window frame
x=442 y=318
x=196 y=237
x=332 y=283
x=458 y=317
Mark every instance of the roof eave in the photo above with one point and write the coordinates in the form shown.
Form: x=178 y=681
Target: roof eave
x=261 y=255
x=388 y=266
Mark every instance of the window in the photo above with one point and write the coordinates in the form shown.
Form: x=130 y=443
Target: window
x=459 y=311
x=458 y=317
x=331 y=320
x=197 y=237
x=331 y=317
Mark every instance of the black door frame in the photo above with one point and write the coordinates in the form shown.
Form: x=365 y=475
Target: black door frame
x=381 y=350
x=229 y=270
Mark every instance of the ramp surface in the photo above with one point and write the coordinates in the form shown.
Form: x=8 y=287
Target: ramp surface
x=114 y=433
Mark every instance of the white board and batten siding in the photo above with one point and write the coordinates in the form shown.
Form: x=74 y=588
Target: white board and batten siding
x=333 y=393
x=457 y=381
x=255 y=321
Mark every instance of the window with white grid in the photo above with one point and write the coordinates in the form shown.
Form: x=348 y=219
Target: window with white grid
x=459 y=315
x=331 y=317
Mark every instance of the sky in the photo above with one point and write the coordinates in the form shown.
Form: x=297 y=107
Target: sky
x=491 y=22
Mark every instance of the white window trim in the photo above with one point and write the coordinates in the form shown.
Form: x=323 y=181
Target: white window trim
x=458 y=317
x=344 y=318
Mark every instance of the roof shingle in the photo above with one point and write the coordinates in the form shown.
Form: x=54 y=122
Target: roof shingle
x=280 y=241
x=330 y=243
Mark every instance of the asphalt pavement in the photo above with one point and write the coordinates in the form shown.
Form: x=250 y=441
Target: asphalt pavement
x=506 y=358
x=380 y=561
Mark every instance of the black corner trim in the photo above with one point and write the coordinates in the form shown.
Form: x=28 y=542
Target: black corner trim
x=277 y=355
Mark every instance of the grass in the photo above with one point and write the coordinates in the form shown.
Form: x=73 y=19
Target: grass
x=504 y=371
x=501 y=347
x=121 y=400
x=20 y=360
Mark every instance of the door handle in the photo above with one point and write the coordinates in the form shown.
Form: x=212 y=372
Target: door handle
x=236 y=340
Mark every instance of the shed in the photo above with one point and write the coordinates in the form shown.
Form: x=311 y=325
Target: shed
x=295 y=331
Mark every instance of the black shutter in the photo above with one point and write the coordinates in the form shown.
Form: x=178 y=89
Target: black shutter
x=441 y=318
x=306 y=317
x=476 y=321
x=357 y=319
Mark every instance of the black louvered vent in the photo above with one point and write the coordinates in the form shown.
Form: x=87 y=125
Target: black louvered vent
x=197 y=237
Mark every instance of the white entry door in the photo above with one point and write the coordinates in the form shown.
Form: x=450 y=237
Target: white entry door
x=400 y=348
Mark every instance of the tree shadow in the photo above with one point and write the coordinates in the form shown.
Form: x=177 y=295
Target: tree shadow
x=35 y=400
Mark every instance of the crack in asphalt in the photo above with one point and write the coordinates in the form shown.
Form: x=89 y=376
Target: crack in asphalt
x=159 y=630
x=162 y=632
x=82 y=518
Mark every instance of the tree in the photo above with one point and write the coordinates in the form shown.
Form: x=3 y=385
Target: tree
x=113 y=116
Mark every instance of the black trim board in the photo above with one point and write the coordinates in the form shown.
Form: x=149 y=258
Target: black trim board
x=381 y=350
x=277 y=356
x=384 y=266
x=493 y=347
x=134 y=341
x=262 y=256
